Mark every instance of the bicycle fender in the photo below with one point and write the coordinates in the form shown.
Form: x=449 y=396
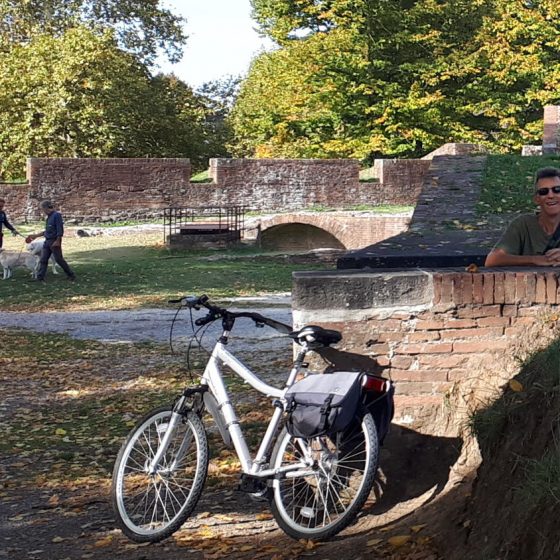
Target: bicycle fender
x=211 y=405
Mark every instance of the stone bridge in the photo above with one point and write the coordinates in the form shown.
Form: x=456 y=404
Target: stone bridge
x=313 y=230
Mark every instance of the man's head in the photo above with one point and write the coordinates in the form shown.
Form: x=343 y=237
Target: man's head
x=547 y=190
x=47 y=206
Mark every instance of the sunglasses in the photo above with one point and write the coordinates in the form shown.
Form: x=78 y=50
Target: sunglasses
x=543 y=191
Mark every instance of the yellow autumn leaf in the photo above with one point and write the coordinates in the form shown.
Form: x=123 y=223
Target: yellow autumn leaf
x=514 y=385
x=399 y=540
x=102 y=542
x=417 y=528
x=60 y=432
x=374 y=542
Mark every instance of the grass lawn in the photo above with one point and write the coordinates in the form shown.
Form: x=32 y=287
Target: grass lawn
x=137 y=270
x=507 y=185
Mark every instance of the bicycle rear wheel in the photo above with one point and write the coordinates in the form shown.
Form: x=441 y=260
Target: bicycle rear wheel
x=151 y=507
x=320 y=501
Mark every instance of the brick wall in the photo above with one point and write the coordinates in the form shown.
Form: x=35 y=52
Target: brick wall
x=429 y=331
x=273 y=184
x=138 y=188
x=551 y=129
x=16 y=197
x=103 y=188
x=401 y=180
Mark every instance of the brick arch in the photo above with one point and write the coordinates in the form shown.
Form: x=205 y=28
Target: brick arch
x=322 y=222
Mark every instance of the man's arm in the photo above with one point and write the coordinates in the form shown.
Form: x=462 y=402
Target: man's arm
x=59 y=230
x=499 y=257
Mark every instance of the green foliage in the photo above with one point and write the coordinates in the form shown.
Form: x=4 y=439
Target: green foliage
x=507 y=183
x=143 y=27
x=79 y=95
x=542 y=482
x=362 y=78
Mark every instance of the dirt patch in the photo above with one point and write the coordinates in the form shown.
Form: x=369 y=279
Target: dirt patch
x=66 y=407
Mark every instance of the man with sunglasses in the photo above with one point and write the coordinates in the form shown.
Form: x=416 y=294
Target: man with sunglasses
x=530 y=239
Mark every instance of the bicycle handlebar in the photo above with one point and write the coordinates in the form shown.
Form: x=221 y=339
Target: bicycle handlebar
x=215 y=313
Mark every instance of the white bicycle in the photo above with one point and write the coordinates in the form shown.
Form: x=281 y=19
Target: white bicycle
x=316 y=486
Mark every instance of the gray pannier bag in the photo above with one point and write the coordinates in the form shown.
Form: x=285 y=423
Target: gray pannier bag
x=323 y=404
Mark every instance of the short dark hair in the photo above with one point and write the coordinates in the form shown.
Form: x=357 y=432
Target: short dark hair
x=545 y=172
x=46 y=205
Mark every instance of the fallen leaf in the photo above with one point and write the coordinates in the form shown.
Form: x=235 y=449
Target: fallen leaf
x=417 y=528
x=514 y=385
x=374 y=542
x=399 y=540
x=57 y=540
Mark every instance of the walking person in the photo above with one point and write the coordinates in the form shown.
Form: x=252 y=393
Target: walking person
x=4 y=222
x=54 y=230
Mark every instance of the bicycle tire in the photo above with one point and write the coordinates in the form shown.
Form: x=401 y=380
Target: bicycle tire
x=150 y=508
x=320 y=505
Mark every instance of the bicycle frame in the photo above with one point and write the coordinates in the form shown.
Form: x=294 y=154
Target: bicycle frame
x=214 y=379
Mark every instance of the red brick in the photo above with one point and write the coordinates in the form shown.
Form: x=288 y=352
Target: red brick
x=376 y=348
x=472 y=333
x=401 y=362
x=429 y=325
x=551 y=287
x=509 y=288
x=478 y=288
x=479 y=311
x=390 y=336
x=521 y=287
x=446 y=289
x=488 y=288
x=452 y=323
x=481 y=346
x=510 y=310
x=540 y=292
x=523 y=321
x=466 y=288
x=401 y=316
x=441 y=361
x=532 y=311
x=418 y=375
x=415 y=388
x=423 y=336
x=493 y=322
x=416 y=402
x=499 y=287
x=428 y=348
x=531 y=286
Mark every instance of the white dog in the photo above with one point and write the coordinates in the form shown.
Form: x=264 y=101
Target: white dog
x=35 y=248
x=11 y=259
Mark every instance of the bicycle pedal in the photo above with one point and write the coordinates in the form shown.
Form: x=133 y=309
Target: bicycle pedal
x=253 y=485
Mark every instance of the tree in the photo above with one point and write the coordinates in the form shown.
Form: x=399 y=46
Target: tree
x=398 y=77
x=80 y=95
x=142 y=26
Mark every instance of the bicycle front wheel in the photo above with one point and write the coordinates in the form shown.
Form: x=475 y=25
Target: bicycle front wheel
x=151 y=506
x=318 y=501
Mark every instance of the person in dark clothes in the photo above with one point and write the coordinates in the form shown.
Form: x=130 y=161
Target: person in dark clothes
x=54 y=230
x=4 y=222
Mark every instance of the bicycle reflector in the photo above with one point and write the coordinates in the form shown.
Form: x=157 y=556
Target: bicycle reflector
x=372 y=383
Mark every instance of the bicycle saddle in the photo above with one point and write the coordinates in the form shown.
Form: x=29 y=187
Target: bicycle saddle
x=316 y=336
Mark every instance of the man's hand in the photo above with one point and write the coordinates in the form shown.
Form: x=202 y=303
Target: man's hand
x=15 y=233
x=553 y=256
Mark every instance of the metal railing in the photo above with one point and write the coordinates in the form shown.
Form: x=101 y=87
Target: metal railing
x=227 y=222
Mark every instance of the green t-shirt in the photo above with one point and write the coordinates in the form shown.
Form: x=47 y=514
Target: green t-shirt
x=524 y=236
